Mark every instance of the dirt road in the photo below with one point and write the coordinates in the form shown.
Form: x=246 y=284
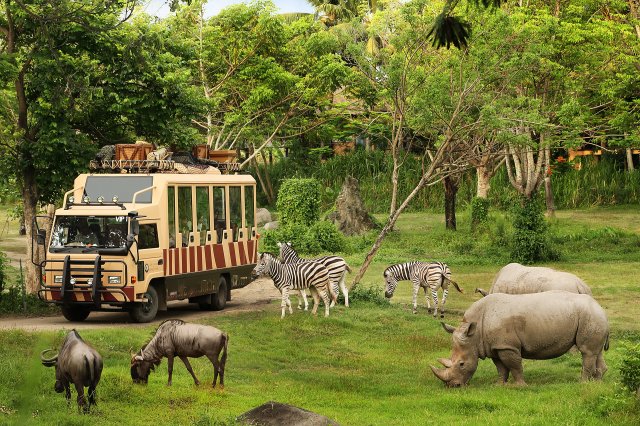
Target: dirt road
x=254 y=297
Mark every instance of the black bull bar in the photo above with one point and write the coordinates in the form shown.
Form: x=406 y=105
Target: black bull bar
x=83 y=270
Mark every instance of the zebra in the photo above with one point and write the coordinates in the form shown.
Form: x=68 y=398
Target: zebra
x=299 y=276
x=421 y=274
x=336 y=266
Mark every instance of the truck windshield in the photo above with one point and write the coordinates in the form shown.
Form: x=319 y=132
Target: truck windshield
x=87 y=233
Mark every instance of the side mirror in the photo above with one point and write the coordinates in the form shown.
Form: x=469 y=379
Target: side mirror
x=41 y=237
x=131 y=238
x=135 y=226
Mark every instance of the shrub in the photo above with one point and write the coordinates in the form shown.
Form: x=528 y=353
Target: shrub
x=530 y=242
x=373 y=294
x=299 y=202
x=630 y=369
x=479 y=211
x=321 y=237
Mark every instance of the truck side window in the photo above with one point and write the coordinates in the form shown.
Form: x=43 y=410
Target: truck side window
x=185 y=213
x=148 y=237
x=202 y=213
x=249 y=209
x=235 y=211
x=171 y=211
x=219 y=211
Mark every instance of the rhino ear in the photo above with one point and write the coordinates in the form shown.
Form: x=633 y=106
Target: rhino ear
x=448 y=328
x=468 y=329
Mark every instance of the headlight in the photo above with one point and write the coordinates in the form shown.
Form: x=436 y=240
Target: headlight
x=114 y=199
x=72 y=281
x=57 y=279
x=72 y=199
x=101 y=199
x=90 y=281
x=86 y=199
x=114 y=280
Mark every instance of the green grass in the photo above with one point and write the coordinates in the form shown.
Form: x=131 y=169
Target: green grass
x=369 y=364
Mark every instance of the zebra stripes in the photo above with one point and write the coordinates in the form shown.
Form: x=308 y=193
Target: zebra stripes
x=299 y=276
x=336 y=266
x=422 y=274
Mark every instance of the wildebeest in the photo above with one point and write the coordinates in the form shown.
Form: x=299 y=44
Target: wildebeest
x=177 y=338
x=76 y=363
x=519 y=279
x=510 y=327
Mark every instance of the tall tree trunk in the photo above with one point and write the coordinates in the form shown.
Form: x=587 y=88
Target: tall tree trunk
x=484 y=181
x=630 y=160
x=548 y=189
x=271 y=196
x=450 y=191
x=30 y=203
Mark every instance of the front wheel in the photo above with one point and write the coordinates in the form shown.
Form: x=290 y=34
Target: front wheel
x=219 y=300
x=146 y=311
x=75 y=313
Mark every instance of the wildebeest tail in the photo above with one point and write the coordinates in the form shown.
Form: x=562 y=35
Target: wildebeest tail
x=89 y=366
x=455 y=284
x=347 y=268
x=223 y=358
x=606 y=343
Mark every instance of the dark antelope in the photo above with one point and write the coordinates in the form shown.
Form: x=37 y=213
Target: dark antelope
x=76 y=363
x=175 y=338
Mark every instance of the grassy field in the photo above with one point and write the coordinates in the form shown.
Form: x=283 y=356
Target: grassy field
x=368 y=364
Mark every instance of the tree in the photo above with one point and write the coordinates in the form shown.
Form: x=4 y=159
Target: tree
x=77 y=77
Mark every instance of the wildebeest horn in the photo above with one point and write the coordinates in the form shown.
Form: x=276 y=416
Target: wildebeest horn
x=48 y=362
x=448 y=328
x=446 y=362
x=440 y=374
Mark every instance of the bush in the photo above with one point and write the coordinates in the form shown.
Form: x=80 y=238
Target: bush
x=630 y=369
x=530 y=241
x=373 y=294
x=321 y=237
x=299 y=202
x=479 y=211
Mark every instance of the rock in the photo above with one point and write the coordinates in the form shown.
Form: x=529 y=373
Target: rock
x=263 y=216
x=277 y=414
x=271 y=225
x=350 y=216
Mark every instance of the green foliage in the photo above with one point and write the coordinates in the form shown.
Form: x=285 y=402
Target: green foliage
x=630 y=368
x=299 y=202
x=321 y=237
x=372 y=294
x=479 y=211
x=530 y=241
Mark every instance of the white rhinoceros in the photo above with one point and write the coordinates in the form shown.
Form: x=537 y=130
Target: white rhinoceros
x=508 y=328
x=519 y=279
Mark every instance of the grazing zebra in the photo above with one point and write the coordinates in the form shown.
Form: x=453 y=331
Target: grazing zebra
x=299 y=276
x=336 y=266
x=421 y=274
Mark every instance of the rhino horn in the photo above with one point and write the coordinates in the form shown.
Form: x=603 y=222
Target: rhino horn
x=448 y=328
x=440 y=373
x=481 y=291
x=446 y=362
x=48 y=362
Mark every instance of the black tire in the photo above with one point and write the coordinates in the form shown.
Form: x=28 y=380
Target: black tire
x=146 y=311
x=219 y=299
x=75 y=313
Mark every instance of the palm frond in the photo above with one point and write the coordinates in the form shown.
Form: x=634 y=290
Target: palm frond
x=448 y=30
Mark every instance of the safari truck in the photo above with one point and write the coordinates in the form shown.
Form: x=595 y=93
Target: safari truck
x=135 y=241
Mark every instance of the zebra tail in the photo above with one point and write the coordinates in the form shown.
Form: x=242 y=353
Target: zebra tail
x=455 y=284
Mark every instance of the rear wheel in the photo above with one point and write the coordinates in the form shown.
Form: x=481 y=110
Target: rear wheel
x=219 y=300
x=75 y=313
x=146 y=311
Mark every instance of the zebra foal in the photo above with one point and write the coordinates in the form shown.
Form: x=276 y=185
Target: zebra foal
x=433 y=275
x=336 y=266
x=299 y=276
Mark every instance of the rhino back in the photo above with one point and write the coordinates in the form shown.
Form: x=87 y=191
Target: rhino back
x=539 y=326
x=519 y=279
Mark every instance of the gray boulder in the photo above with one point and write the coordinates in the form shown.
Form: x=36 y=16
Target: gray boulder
x=271 y=225
x=263 y=216
x=277 y=414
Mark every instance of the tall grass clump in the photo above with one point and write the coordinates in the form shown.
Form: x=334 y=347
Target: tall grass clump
x=597 y=184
